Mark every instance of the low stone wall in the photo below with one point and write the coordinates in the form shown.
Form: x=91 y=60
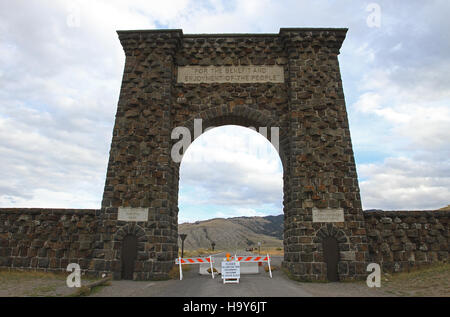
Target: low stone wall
x=400 y=240
x=50 y=239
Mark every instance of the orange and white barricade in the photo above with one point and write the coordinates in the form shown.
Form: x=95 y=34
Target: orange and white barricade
x=181 y=261
x=250 y=259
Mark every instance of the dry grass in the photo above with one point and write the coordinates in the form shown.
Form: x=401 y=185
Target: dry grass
x=87 y=291
x=174 y=272
x=29 y=283
x=432 y=280
x=276 y=251
x=18 y=275
x=198 y=252
x=272 y=268
x=35 y=283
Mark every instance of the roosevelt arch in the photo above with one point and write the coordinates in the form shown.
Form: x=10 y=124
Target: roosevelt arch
x=306 y=102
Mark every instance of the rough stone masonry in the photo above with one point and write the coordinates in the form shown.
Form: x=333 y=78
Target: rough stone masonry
x=170 y=79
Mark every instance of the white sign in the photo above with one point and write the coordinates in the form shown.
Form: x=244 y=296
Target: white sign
x=230 y=74
x=132 y=214
x=328 y=215
x=231 y=270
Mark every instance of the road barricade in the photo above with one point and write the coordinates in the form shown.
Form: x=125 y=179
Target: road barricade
x=258 y=259
x=210 y=260
x=197 y=260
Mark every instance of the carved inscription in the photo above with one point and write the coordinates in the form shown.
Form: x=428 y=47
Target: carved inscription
x=328 y=215
x=230 y=74
x=132 y=214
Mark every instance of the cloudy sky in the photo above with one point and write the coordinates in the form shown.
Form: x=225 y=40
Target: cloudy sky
x=60 y=73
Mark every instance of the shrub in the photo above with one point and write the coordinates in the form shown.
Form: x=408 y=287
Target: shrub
x=174 y=272
x=273 y=268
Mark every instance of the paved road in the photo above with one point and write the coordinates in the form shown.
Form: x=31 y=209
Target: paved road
x=196 y=285
x=251 y=285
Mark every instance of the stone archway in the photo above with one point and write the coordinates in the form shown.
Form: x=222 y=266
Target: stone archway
x=290 y=80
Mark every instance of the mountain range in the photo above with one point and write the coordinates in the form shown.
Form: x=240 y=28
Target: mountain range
x=238 y=233
x=234 y=233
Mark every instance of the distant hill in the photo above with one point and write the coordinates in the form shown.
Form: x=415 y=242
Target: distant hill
x=238 y=233
x=234 y=233
x=443 y=208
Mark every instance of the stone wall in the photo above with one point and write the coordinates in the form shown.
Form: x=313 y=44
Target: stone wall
x=50 y=239
x=399 y=240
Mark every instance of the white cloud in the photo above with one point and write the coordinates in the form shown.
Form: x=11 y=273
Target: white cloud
x=405 y=184
x=60 y=85
x=366 y=52
x=419 y=116
x=413 y=106
x=241 y=212
x=222 y=168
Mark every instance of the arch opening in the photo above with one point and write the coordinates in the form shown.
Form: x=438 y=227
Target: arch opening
x=228 y=171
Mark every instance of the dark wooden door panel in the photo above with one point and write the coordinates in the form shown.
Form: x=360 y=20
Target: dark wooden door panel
x=331 y=257
x=129 y=255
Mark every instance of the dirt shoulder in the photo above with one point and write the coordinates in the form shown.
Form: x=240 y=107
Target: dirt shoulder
x=35 y=284
x=428 y=281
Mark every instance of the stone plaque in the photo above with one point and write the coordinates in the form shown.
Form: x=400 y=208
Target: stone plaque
x=132 y=214
x=328 y=215
x=347 y=256
x=230 y=74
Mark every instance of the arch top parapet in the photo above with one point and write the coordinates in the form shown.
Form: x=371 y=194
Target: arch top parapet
x=291 y=37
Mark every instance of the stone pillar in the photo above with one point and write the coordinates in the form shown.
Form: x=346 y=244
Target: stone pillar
x=322 y=171
x=140 y=169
